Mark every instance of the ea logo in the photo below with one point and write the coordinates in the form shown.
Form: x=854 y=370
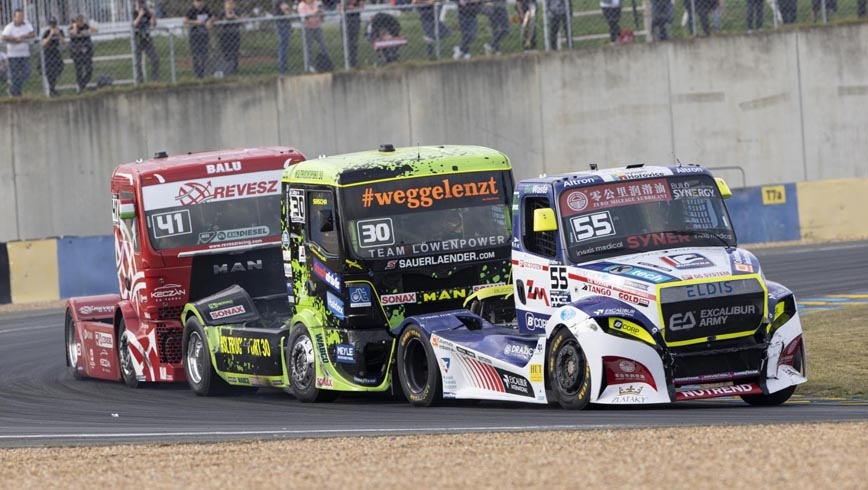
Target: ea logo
x=682 y=321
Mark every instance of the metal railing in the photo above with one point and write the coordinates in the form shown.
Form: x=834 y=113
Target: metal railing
x=385 y=34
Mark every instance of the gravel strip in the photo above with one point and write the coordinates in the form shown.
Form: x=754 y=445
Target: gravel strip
x=750 y=456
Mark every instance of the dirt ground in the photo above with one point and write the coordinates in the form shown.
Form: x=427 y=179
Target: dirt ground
x=754 y=456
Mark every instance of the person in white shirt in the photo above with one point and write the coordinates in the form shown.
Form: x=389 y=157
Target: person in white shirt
x=17 y=35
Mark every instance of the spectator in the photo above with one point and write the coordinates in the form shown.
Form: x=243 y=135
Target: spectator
x=311 y=12
x=429 y=21
x=703 y=9
x=558 y=17
x=354 y=24
x=662 y=14
x=498 y=19
x=789 y=10
x=52 y=39
x=527 y=19
x=861 y=8
x=284 y=33
x=144 y=21
x=229 y=37
x=831 y=6
x=81 y=48
x=384 y=28
x=16 y=34
x=201 y=19
x=754 y=15
x=467 y=12
x=612 y=14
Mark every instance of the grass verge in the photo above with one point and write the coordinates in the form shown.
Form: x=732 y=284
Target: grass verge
x=835 y=345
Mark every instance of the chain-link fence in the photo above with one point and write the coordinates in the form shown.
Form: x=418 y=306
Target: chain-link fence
x=312 y=37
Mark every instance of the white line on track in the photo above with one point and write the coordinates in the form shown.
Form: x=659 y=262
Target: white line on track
x=28 y=329
x=313 y=432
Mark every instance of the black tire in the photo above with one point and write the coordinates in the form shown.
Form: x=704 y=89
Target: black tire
x=568 y=371
x=778 y=397
x=73 y=355
x=301 y=364
x=125 y=359
x=418 y=371
x=201 y=376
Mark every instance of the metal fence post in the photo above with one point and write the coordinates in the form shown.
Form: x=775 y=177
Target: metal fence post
x=693 y=18
x=438 y=7
x=172 y=56
x=344 y=38
x=545 y=17
x=45 y=90
x=569 y=23
x=136 y=60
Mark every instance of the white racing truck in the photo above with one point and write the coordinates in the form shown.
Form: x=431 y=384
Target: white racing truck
x=628 y=287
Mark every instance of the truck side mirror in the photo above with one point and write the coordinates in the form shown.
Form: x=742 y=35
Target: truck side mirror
x=723 y=188
x=544 y=220
x=327 y=220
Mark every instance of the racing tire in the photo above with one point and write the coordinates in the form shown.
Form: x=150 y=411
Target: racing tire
x=73 y=353
x=778 y=397
x=125 y=357
x=418 y=371
x=301 y=364
x=201 y=375
x=568 y=371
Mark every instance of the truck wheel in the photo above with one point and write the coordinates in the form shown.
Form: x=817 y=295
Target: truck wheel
x=125 y=358
x=201 y=377
x=73 y=351
x=301 y=362
x=569 y=372
x=778 y=397
x=417 y=368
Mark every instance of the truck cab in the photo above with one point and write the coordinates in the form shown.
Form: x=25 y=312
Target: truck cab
x=185 y=226
x=629 y=288
x=368 y=239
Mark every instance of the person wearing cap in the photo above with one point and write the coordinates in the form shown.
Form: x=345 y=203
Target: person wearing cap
x=144 y=21
x=81 y=47
x=52 y=40
x=16 y=35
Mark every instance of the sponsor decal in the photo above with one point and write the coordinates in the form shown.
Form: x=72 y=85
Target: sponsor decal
x=614 y=312
x=251 y=346
x=536 y=189
x=103 y=340
x=601 y=290
x=625 y=371
x=684 y=190
x=302 y=254
x=287 y=256
x=365 y=381
x=516 y=385
x=577 y=201
x=477 y=287
x=190 y=193
x=360 y=296
x=400 y=298
x=219 y=304
x=296 y=205
x=287 y=270
x=227 y=312
x=630 y=390
x=465 y=352
x=425 y=196
x=222 y=167
x=599 y=249
x=345 y=353
x=105 y=363
x=742 y=389
x=520 y=351
x=535 y=321
x=324 y=382
x=95 y=309
x=568 y=314
x=580 y=181
x=335 y=305
x=536 y=373
x=284 y=239
x=689 y=170
x=329 y=277
x=639 y=174
x=655 y=239
x=321 y=348
x=234 y=234
x=632 y=298
x=445 y=295
x=168 y=291
x=639 y=273
x=536 y=293
x=690 y=260
x=620 y=194
x=453 y=258
x=445 y=364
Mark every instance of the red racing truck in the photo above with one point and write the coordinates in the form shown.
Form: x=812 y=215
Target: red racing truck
x=185 y=227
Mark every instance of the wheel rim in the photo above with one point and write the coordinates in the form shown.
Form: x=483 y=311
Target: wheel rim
x=195 y=361
x=569 y=367
x=416 y=365
x=126 y=358
x=302 y=362
x=71 y=346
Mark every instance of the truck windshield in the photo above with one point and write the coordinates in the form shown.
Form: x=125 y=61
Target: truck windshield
x=428 y=216
x=213 y=213
x=637 y=216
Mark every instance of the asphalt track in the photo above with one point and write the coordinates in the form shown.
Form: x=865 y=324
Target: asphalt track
x=42 y=405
